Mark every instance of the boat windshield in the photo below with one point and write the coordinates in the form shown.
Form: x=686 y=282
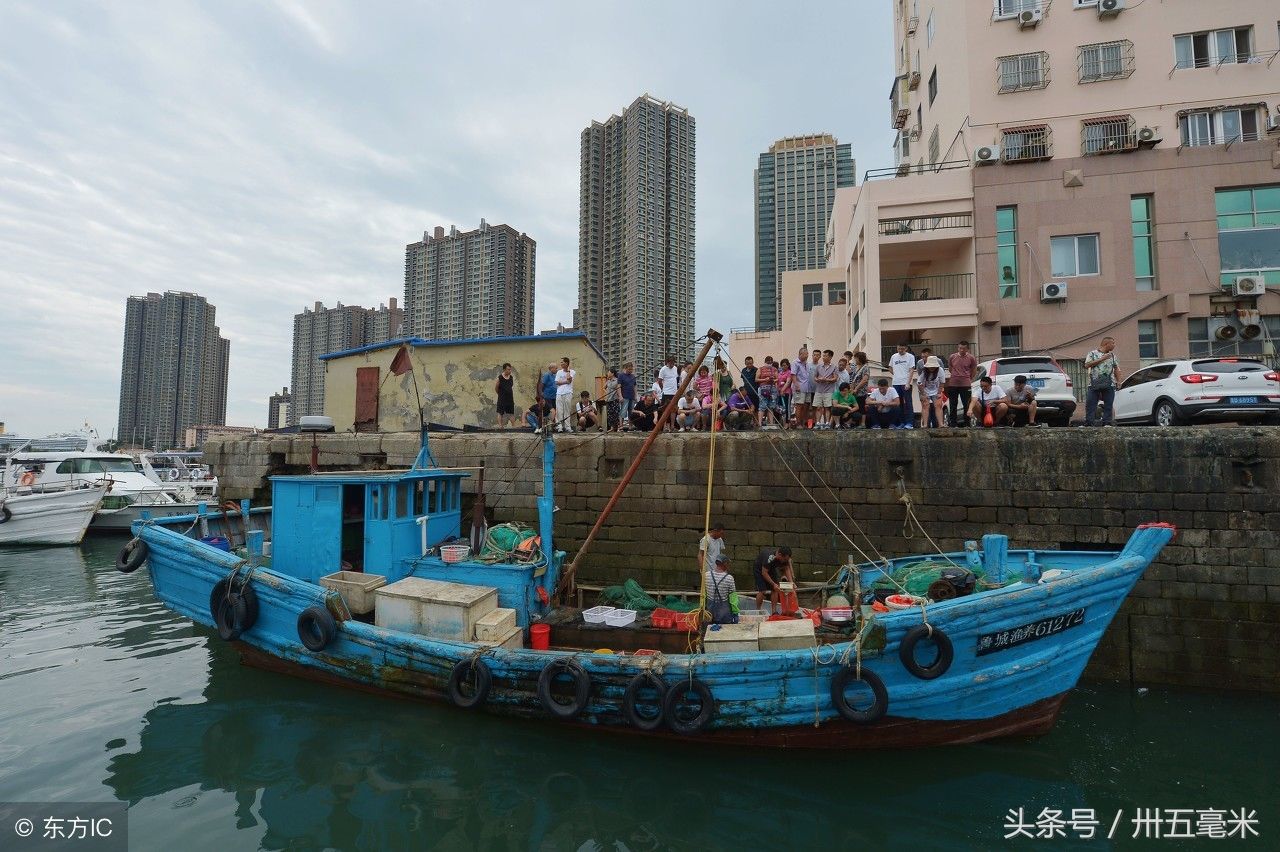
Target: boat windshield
x=108 y=464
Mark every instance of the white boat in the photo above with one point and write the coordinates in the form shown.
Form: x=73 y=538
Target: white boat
x=48 y=514
x=51 y=463
x=182 y=471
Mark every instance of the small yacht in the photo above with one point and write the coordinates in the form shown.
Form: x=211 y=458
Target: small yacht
x=183 y=471
x=55 y=463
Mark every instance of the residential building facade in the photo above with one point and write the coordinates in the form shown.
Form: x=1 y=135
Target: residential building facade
x=278 y=408
x=174 y=369
x=469 y=284
x=636 y=233
x=1073 y=170
x=318 y=331
x=795 y=187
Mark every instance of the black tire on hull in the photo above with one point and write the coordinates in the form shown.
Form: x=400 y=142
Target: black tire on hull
x=879 y=705
x=907 y=651
x=131 y=556
x=581 y=688
x=483 y=683
x=316 y=628
x=631 y=702
x=676 y=695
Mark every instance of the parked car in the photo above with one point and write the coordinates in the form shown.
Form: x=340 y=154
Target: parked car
x=1197 y=389
x=1055 y=399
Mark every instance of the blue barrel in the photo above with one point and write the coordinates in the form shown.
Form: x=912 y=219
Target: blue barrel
x=217 y=541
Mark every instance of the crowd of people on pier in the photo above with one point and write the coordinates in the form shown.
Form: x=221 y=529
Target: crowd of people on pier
x=818 y=389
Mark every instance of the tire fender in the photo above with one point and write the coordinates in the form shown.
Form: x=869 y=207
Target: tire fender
x=907 y=651
x=879 y=706
x=631 y=698
x=676 y=695
x=316 y=628
x=581 y=688
x=131 y=556
x=484 y=682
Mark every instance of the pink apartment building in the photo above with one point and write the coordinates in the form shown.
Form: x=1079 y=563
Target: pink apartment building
x=1066 y=170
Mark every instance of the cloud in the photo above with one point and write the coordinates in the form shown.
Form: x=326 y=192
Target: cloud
x=269 y=156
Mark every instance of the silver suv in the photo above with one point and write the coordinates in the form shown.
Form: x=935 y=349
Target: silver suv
x=1055 y=399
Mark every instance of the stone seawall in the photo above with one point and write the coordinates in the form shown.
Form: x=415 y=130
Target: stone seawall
x=1206 y=615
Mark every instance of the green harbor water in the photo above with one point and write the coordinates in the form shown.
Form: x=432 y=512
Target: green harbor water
x=105 y=695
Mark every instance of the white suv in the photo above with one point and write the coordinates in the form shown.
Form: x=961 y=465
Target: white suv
x=1055 y=399
x=1174 y=392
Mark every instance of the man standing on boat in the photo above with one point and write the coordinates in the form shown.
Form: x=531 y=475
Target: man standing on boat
x=711 y=547
x=564 y=396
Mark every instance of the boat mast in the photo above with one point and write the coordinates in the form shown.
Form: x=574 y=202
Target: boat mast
x=566 y=582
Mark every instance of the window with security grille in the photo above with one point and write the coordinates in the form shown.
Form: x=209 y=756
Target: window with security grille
x=1215 y=47
x=1010 y=340
x=1148 y=339
x=1026 y=143
x=1023 y=71
x=1105 y=135
x=1111 y=60
x=1219 y=127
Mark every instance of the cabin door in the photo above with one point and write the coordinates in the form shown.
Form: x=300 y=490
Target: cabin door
x=366 y=399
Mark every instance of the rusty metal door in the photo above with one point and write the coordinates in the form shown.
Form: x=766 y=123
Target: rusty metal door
x=366 y=399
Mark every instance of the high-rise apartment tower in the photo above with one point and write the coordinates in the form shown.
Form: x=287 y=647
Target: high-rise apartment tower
x=322 y=330
x=470 y=284
x=795 y=185
x=636 y=233
x=174 y=369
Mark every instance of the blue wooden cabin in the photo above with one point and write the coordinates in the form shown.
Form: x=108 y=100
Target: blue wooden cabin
x=389 y=522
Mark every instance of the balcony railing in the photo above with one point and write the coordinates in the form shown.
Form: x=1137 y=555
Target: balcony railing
x=916 y=224
x=921 y=288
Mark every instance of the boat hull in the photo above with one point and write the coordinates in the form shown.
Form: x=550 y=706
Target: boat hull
x=1017 y=651
x=51 y=517
x=121 y=520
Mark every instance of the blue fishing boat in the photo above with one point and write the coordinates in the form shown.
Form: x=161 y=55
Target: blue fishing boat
x=996 y=659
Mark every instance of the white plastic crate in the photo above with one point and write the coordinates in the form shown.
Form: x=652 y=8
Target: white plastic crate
x=597 y=614
x=620 y=617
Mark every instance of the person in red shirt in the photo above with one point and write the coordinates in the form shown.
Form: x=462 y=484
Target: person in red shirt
x=961 y=366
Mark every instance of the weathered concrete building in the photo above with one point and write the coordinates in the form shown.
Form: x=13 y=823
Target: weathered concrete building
x=454 y=379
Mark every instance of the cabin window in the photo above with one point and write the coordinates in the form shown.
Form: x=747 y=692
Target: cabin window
x=378 y=497
x=403 y=508
x=327 y=494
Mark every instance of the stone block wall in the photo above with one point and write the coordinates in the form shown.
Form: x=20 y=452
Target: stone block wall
x=1207 y=614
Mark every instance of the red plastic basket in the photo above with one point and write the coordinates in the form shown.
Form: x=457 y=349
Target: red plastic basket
x=663 y=618
x=688 y=621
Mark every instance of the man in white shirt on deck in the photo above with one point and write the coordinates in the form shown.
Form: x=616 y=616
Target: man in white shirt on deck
x=564 y=396
x=989 y=398
x=903 y=365
x=669 y=378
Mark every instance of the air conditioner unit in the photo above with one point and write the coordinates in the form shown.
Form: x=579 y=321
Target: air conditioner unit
x=1110 y=8
x=1248 y=285
x=986 y=155
x=1029 y=18
x=1053 y=291
x=1250 y=323
x=1273 y=125
x=1222 y=328
x=1148 y=137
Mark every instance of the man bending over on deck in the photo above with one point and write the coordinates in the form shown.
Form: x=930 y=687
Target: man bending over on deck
x=772 y=566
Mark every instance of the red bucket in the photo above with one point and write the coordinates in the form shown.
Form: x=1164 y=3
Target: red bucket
x=540 y=637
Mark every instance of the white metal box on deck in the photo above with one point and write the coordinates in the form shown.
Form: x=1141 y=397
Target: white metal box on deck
x=787 y=635
x=433 y=607
x=356 y=588
x=728 y=638
x=495 y=626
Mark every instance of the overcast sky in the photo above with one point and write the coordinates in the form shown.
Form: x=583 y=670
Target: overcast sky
x=270 y=154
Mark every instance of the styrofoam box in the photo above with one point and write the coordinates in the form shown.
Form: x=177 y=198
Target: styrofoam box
x=495 y=626
x=727 y=638
x=596 y=614
x=752 y=617
x=356 y=588
x=787 y=635
x=513 y=640
x=433 y=607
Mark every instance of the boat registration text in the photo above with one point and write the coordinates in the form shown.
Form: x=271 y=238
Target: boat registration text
x=989 y=643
